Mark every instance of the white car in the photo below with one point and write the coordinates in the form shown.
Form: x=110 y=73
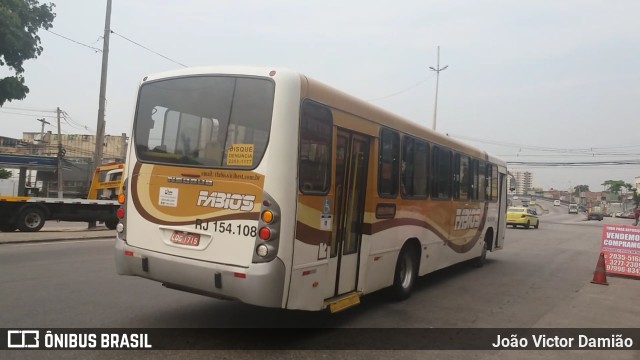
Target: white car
x=556 y=202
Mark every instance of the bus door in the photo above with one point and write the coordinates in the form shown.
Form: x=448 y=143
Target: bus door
x=352 y=163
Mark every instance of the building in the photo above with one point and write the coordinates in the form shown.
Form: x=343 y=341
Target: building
x=78 y=153
x=76 y=145
x=524 y=181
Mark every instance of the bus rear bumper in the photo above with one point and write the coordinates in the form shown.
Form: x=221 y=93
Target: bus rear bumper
x=259 y=284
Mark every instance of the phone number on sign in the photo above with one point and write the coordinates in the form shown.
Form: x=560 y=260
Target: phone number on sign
x=624 y=269
x=624 y=257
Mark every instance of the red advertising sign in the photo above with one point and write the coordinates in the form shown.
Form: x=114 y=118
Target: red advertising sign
x=621 y=249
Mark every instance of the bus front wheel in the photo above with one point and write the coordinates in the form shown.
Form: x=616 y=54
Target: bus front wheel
x=405 y=274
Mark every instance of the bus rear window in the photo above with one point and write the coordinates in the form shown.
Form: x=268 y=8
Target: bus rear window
x=209 y=121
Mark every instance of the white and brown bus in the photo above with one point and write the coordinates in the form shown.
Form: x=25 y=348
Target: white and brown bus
x=267 y=187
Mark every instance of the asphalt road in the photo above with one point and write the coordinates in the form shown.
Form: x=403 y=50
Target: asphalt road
x=541 y=279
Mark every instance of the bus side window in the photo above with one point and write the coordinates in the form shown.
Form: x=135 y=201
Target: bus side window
x=314 y=165
x=388 y=164
x=414 y=168
x=441 y=173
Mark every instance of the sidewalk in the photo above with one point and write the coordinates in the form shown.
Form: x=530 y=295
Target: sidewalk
x=55 y=231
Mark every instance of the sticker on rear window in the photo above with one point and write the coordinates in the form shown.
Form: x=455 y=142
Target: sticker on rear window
x=240 y=154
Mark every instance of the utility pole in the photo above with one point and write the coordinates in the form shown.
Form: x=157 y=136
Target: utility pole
x=60 y=154
x=123 y=149
x=43 y=121
x=97 y=156
x=437 y=69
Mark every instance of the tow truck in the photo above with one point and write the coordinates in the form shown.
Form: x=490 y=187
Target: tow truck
x=29 y=214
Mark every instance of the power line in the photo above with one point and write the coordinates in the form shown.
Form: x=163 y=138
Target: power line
x=68 y=118
x=21 y=114
x=404 y=90
x=77 y=42
x=575 y=163
x=28 y=109
x=541 y=148
x=146 y=48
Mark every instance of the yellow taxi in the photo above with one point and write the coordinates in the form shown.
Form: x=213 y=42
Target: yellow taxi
x=525 y=216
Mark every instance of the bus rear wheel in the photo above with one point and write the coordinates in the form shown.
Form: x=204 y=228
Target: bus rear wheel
x=405 y=274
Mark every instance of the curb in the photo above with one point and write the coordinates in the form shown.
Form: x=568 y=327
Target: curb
x=13 y=242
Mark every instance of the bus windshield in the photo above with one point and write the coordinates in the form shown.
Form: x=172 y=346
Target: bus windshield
x=209 y=121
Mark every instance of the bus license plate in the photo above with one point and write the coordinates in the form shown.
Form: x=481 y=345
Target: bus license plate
x=185 y=238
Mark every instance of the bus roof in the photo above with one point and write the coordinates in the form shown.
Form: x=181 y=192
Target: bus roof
x=323 y=93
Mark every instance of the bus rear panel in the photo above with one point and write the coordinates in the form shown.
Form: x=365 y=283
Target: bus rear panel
x=197 y=215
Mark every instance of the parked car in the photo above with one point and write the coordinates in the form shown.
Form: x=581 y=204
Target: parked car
x=524 y=216
x=629 y=215
x=595 y=216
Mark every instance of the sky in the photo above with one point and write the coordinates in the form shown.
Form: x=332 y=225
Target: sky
x=544 y=82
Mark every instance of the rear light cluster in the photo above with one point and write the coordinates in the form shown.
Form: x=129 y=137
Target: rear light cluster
x=266 y=247
x=120 y=213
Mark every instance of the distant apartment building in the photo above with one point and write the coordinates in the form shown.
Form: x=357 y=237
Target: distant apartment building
x=524 y=181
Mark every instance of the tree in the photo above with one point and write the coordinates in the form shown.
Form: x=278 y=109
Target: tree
x=580 y=188
x=5 y=174
x=615 y=186
x=636 y=197
x=20 y=21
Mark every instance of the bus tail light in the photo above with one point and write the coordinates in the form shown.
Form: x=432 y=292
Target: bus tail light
x=121 y=228
x=262 y=250
x=265 y=233
x=268 y=236
x=267 y=216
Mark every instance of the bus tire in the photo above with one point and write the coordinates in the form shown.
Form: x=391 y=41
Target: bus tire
x=31 y=219
x=479 y=261
x=405 y=274
x=111 y=224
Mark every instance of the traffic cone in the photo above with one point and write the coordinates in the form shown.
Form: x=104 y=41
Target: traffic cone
x=600 y=275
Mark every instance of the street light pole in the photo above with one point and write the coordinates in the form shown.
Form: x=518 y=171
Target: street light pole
x=437 y=69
